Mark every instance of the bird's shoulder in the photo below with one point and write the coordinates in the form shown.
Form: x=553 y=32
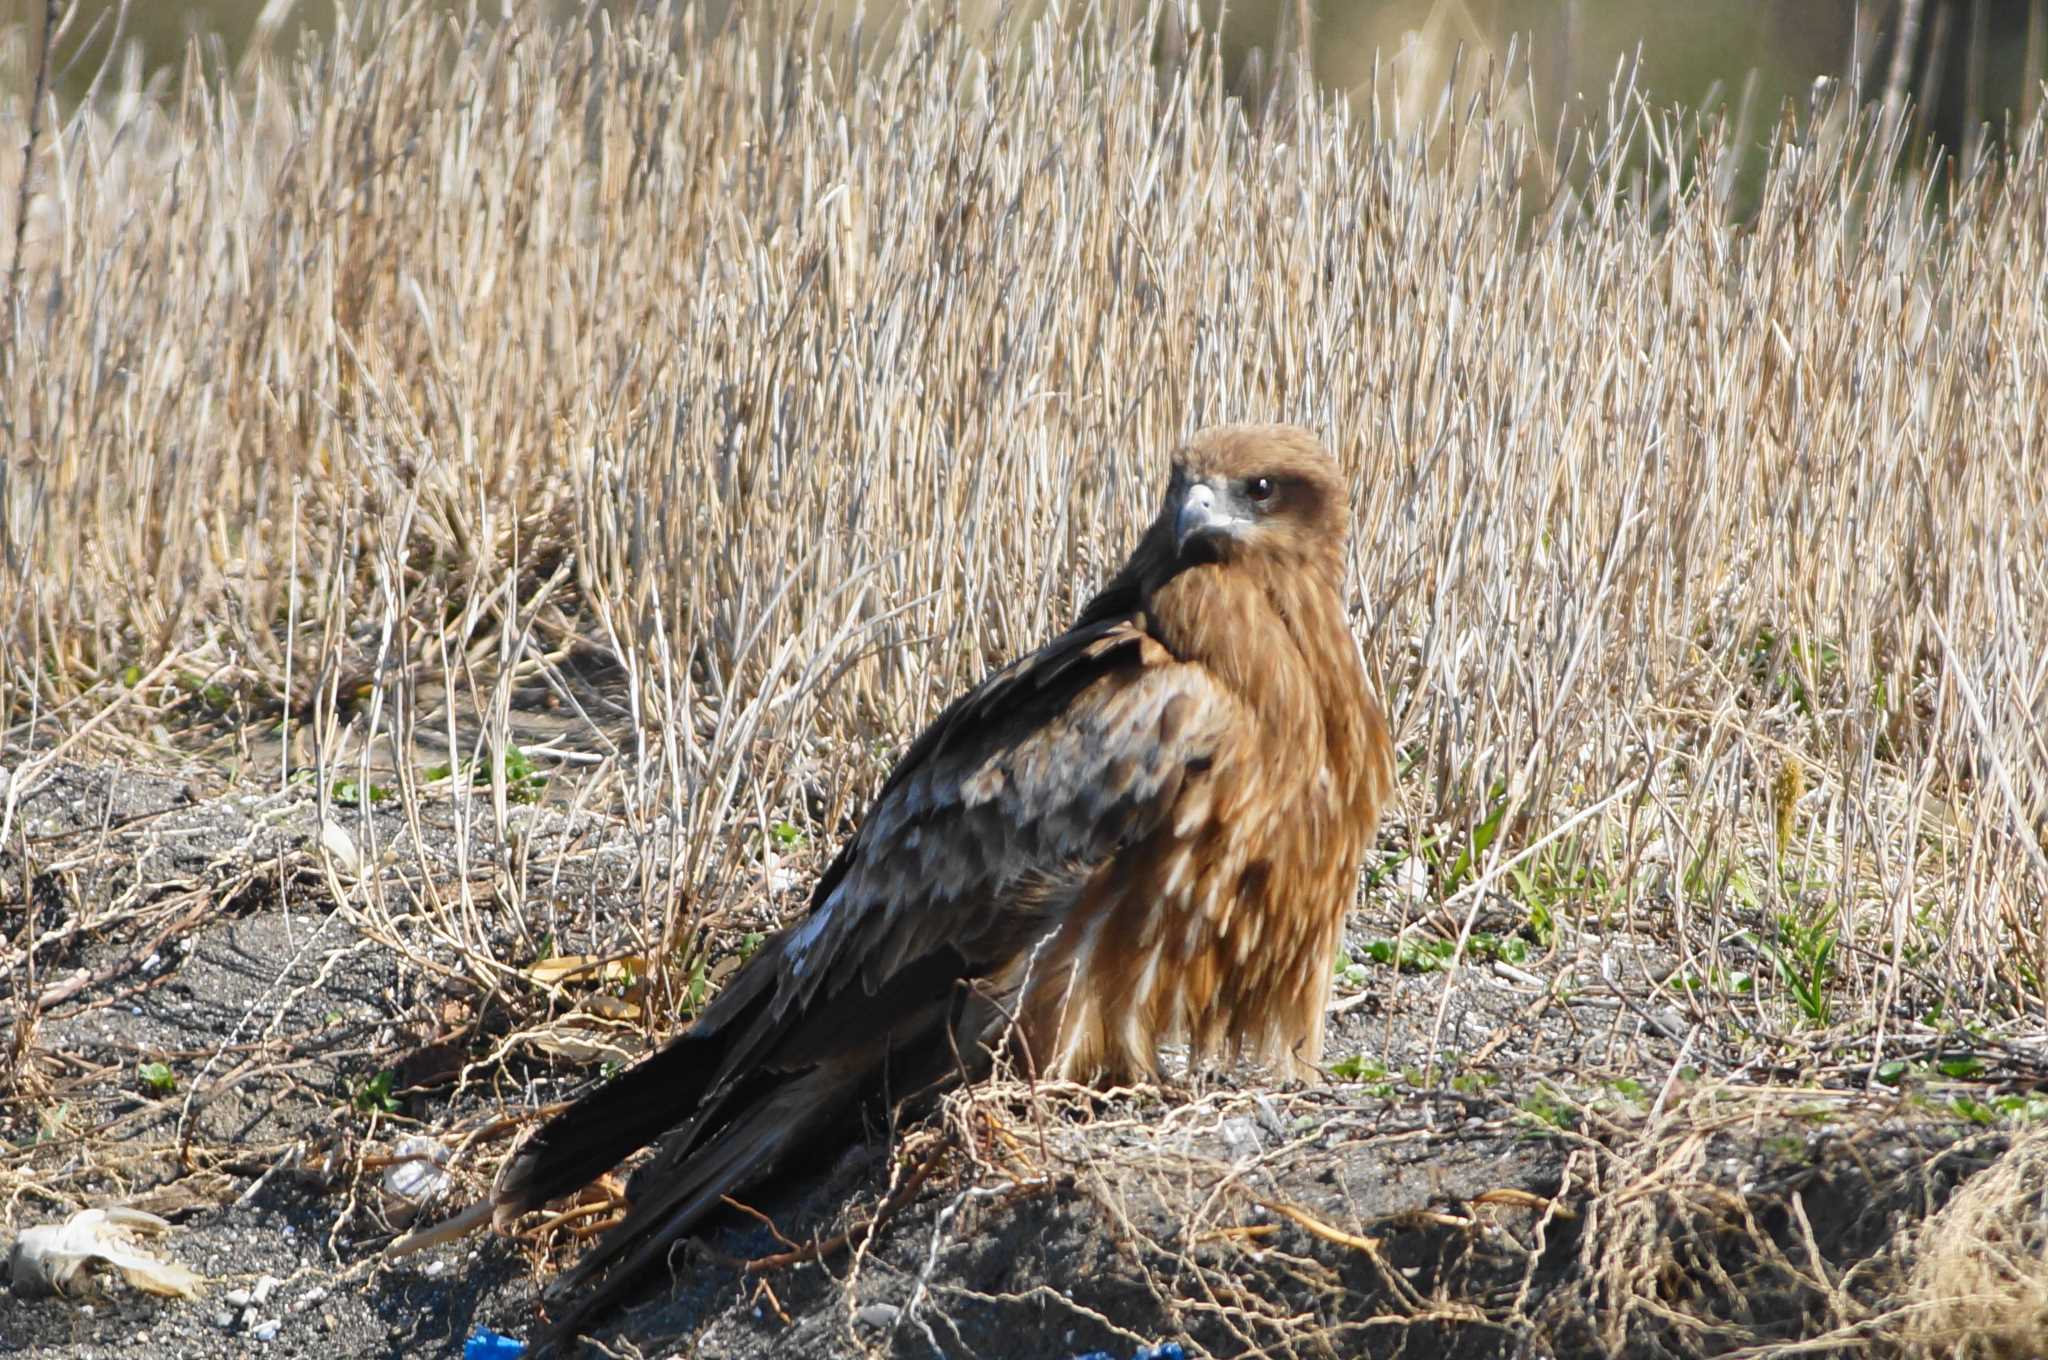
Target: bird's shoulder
x=1092 y=711
x=1013 y=795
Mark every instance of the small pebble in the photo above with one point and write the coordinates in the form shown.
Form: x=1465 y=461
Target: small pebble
x=265 y=1330
x=266 y=1285
x=239 y=1298
x=224 y=1321
x=1241 y=1136
x=879 y=1314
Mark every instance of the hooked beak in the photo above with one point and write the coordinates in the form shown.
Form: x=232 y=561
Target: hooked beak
x=1204 y=523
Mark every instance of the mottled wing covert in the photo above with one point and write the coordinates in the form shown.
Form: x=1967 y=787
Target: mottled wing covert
x=986 y=830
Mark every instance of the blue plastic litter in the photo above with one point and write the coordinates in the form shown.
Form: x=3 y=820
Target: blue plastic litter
x=489 y=1345
x=1165 y=1350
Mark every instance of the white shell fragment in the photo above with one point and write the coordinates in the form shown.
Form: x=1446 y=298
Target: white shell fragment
x=58 y=1258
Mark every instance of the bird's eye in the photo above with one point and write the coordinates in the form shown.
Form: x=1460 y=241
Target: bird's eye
x=1259 y=490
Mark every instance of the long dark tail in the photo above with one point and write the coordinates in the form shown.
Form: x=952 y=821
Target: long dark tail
x=747 y=1092
x=783 y=1117
x=608 y=1125
x=611 y=1123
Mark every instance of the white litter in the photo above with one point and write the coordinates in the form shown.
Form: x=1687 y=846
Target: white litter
x=58 y=1258
x=417 y=1175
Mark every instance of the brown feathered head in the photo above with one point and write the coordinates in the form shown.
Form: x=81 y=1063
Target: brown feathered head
x=1268 y=497
x=1248 y=493
x=1257 y=490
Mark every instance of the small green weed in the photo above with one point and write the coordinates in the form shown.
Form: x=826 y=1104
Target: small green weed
x=351 y=793
x=1429 y=954
x=697 y=990
x=1360 y=1068
x=1719 y=981
x=524 y=782
x=374 y=1096
x=1548 y=1108
x=1550 y=879
x=1802 y=954
x=216 y=697
x=1484 y=832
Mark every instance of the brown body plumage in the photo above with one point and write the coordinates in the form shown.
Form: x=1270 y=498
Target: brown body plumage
x=1148 y=829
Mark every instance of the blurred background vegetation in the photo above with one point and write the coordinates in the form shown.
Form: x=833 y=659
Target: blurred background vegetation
x=1964 y=63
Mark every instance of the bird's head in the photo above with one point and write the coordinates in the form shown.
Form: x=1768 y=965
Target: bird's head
x=1248 y=493
x=1247 y=505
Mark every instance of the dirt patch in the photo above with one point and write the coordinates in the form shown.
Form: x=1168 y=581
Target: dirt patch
x=1514 y=1162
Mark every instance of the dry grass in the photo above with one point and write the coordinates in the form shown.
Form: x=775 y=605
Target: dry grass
x=1981 y=1267
x=742 y=392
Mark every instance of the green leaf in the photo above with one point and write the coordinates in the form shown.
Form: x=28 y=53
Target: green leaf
x=1411 y=954
x=1548 y=1108
x=1357 y=1067
x=1482 y=837
x=524 y=783
x=157 y=1078
x=351 y=793
x=698 y=990
x=2025 y=1109
x=375 y=1094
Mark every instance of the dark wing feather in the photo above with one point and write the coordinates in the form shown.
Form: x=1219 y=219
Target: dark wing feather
x=1006 y=805
x=980 y=840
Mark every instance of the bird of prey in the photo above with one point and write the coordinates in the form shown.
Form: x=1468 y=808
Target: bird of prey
x=1147 y=830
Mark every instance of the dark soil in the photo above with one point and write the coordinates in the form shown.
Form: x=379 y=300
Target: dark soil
x=1501 y=1159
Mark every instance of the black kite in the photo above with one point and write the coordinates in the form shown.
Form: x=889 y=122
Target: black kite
x=1148 y=829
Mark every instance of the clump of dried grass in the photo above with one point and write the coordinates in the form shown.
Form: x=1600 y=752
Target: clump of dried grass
x=1739 y=1220
x=1978 y=1288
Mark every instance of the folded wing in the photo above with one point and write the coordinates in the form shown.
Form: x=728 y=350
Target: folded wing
x=986 y=833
